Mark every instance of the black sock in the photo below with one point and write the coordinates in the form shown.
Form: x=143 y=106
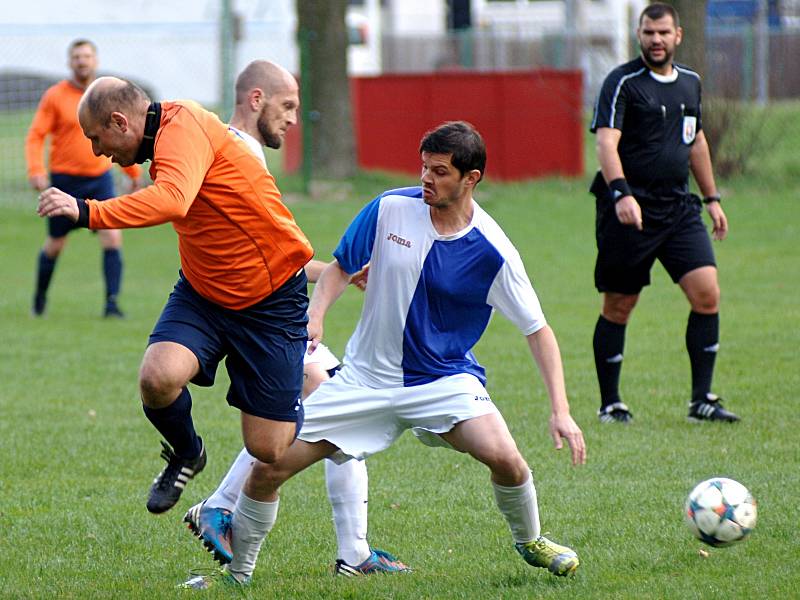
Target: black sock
x=44 y=273
x=609 y=343
x=112 y=271
x=175 y=423
x=702 y=342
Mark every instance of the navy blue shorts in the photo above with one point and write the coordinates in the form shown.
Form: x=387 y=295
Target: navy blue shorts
x=95 y=188
x=263 y=345
x=672 y=232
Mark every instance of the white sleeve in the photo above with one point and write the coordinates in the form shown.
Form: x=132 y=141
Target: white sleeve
x=512 y=294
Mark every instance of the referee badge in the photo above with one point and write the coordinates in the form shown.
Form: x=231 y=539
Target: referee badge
x=689 y=129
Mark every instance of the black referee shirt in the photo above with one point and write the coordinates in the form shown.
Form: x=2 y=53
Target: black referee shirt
x=659 y=118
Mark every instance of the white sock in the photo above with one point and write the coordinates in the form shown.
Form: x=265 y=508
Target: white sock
x=347 y=491
x=227 y=493
x=520 y=508
x=252 y=521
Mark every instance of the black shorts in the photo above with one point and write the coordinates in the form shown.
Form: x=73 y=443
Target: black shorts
x=263 y=345
x=673 y=232
x=96 y=188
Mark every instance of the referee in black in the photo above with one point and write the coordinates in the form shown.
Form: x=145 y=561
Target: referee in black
x=649 y=135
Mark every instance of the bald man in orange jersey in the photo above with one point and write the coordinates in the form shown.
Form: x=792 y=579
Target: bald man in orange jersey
x=241 y=294
x=258 y=119
x=75 y=169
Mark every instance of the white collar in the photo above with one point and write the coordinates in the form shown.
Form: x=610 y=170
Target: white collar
x=665 y=78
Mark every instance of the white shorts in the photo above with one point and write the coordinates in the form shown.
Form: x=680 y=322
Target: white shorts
x=360 y=420
x=321 y=356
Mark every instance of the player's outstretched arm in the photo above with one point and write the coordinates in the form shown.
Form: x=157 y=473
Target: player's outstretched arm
x=331 y=284
x=314 y=269
x=544 y=348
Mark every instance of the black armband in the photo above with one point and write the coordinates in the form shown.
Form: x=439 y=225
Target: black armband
x=619 y=188
x=710 y=199
x=83 y=213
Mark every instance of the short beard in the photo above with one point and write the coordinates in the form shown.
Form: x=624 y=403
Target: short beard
x=85 y=81
x=271 y=140
x=657 y=63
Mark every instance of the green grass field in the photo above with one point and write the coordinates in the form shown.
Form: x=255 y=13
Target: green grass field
x=78 y=455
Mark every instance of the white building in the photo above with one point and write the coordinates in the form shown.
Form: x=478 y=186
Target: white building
x=173 y=47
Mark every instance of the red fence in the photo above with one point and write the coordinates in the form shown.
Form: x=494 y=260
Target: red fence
x=531 y=121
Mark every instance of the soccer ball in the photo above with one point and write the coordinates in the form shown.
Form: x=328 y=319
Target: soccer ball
x=720 y=511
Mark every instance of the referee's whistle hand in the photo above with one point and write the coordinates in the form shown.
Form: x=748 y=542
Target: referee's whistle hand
x=55 y=203
x=629 y=212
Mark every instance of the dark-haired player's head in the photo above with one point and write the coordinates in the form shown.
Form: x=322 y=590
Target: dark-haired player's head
x=462 y=141
x=453 y=161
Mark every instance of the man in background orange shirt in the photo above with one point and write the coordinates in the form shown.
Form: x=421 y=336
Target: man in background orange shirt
x=75 y=169
x=241 y=293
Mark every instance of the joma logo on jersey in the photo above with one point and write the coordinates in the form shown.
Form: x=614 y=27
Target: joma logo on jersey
x=483 y=399
x=398 y=240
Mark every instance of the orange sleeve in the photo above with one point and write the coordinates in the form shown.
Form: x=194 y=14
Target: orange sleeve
x=41 y=126
x=182 y=155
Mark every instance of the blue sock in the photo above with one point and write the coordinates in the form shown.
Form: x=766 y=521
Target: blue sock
x=112 y=271
x=44 y=273
x=175 y=423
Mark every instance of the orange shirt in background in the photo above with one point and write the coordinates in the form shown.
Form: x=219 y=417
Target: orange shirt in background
x=70 y=152
x=237 y=240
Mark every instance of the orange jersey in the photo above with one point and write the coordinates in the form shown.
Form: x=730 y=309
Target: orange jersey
x=70 y=152
x=238 y=242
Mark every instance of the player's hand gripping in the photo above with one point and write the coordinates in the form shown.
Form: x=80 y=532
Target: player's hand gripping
x=718 y=219
x=563 y=426
x=629 y=212
x=314 y=334
x=360 y=279
x=55 y=203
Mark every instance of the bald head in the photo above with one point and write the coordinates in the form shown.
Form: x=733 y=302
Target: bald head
x=112 y=114
x=265 y=75
x=267 y=99
x=108 y=95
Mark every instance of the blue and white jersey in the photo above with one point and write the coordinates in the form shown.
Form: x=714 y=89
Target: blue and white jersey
x=429 y=296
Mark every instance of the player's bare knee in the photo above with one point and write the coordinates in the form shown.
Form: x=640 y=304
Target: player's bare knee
x=617 y=308
x=53 y=246
x=706 y=301
x=265 y=451
x=157 y=387
x=508 y=467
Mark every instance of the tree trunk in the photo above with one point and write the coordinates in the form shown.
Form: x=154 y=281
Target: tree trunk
x=692 y=51
x=322 y=24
